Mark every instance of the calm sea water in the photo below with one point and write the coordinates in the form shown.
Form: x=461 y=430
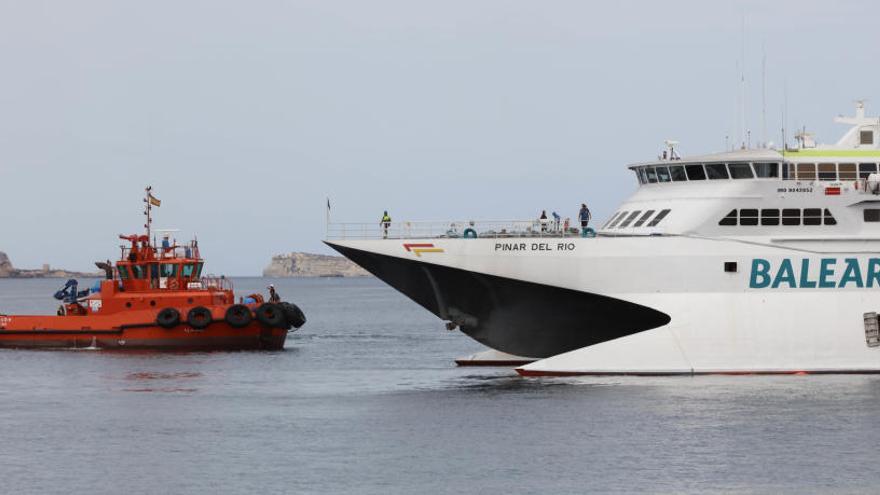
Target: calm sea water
x=366 y=399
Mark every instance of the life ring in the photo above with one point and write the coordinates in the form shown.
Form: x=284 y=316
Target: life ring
x=199 y=317
x=469 y=233
x=271 y=314
x=589 y=232
x=168 y=318
x=238 y=316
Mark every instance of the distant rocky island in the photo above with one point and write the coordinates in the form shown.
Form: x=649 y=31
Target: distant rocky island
x=9 y=271
x=312 y=265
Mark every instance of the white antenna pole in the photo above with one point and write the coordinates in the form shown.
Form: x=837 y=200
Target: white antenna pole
x=764 y=96
x=742 y=84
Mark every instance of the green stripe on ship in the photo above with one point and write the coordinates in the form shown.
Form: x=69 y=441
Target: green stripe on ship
x=832 y=153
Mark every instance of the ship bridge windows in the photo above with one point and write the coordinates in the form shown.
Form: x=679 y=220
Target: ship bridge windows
x=695 y=172
x=789 y=217
x=766 y=170
x=663 y=174
x=169 y=269
x=866 y=169
x=652 y=174
x=677 y=173
x=138 y=271
x=806 y=171
x=740 y=171
x=846 y=171
x=827 y=171
x=716 y=171
x=123 y=272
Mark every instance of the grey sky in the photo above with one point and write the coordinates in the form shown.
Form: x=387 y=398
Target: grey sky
x=244 y=116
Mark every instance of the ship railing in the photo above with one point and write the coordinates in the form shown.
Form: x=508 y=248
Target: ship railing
x=452 y=229
x=212 y=282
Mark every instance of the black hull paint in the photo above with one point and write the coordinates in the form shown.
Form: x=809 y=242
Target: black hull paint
x=513 y=316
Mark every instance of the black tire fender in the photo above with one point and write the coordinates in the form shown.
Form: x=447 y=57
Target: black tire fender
x=294 y=316
x=199 y=317
x=168 y=318
x=272 y=315
x=239 y=316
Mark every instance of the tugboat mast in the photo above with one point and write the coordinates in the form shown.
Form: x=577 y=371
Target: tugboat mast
x=150 y=201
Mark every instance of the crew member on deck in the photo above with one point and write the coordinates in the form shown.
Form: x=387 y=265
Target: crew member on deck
x=543 y=220
x=385 y=222
x=584 y=216
x=273 y=296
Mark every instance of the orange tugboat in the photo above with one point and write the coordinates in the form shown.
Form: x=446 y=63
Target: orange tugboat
x=156 y=298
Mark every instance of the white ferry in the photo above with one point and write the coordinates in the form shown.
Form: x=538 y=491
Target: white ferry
x=748 y=261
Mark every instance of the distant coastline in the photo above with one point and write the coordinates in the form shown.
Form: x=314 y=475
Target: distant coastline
x=310 y=265
x=7 y=270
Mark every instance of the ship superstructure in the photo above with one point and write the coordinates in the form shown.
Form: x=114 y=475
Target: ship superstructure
x=747 y=261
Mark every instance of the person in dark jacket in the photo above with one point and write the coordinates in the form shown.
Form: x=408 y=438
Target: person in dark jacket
x=584 y=216
x=273 y=296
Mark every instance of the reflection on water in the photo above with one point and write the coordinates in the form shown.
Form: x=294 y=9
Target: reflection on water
x=366 y=399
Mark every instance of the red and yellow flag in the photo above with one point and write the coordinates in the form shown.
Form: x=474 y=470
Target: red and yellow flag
x=153 y=200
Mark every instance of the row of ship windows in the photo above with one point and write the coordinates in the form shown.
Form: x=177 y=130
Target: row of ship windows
x=625 y=218
x=790 y=216
x=713 y=171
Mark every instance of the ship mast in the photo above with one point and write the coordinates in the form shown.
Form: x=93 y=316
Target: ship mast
x=148 y=210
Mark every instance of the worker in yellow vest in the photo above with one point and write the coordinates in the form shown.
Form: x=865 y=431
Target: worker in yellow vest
x=385 y=222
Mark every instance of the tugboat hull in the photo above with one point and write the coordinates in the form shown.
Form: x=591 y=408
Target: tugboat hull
x=57 y=332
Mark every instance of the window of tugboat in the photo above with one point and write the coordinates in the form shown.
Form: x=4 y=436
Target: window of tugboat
x=138 y=271
x=740 y=171
x=812 y=216
x=169 y=269
x=846 y=171
x=827 y=171
x=154 y=271
x=632 y=216
x=729 y=220
x=644 y=218
x=748 y=216
x=806 y=171
x=766 y=170
x=866 y=137
x=872 y=215
x=660 y=216
x=829 y=220
x=123 y=272
x=677 y=173
x=866 y=169
x=187 y=270
x=770 y=217
x=652 y=175
x=791 y=216
x=716 y=171
x=199 y=269
x=695 y=172
x=663 y=174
